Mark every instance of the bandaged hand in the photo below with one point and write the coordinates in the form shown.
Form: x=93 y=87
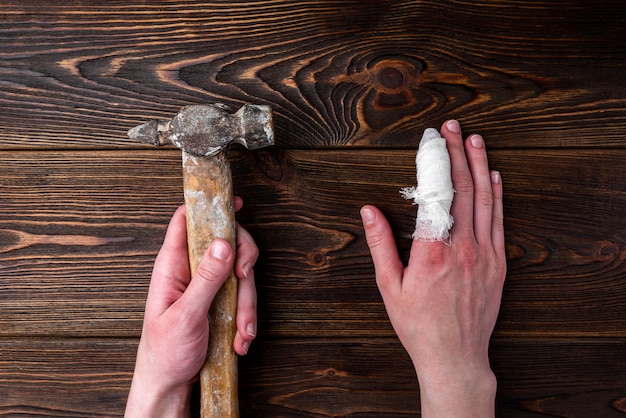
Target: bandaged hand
x=445 y=303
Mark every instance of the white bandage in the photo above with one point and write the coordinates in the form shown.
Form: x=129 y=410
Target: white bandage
x=434 y=191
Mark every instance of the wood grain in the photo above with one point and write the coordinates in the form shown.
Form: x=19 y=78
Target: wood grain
x=102 y=219
x=375 y=73
x=353 y=84
x=374 y=378
x=104 y=216
x=573 y=378
x=65 y=377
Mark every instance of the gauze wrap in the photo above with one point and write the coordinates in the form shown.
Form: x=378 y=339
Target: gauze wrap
x=434 y=192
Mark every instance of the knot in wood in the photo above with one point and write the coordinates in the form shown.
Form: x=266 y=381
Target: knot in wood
x=317 y=259
x=390 y=77
x=394 y=75
x=395 y=82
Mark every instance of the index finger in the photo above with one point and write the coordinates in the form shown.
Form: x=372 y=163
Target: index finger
x=171 y=266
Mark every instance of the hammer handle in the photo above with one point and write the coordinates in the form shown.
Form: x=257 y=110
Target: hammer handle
x=210 y=215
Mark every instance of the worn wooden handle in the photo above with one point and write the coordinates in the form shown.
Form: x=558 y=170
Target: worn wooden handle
x=210 y=215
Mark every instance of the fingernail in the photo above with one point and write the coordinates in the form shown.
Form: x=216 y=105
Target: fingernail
x=495 y=177
x=246 y=270
x=246 y=346
x=453 y=126
x=219 y=250
x=477 y=141
x=368 y=216
x=251 y=329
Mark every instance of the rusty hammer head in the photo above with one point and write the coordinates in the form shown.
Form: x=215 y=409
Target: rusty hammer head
x=205 y=130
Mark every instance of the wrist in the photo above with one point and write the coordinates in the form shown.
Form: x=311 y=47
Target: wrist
x=462 y=393
x=149 y=399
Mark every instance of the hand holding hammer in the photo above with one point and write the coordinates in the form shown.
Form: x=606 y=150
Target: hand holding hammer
x=202 y=132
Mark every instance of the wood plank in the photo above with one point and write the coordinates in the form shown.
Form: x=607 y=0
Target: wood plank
x=318 y=377
x=78 y=236
x=560 y=377
x=65 y=378
x=539 y=74
x=566 y=248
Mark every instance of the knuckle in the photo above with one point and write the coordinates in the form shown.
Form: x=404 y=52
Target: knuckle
x=468 y=257
x=253 y=253
x=383 y=281
x=437 y=257
x=498 y=223
x=463 y=183
x=247 y=248
x=484 y=198
x=210 y=272
x=374 y=240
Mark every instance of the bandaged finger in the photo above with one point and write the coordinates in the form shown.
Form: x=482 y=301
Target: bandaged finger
x=434 y=192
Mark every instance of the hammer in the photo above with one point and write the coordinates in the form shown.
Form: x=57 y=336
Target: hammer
x=202 y=132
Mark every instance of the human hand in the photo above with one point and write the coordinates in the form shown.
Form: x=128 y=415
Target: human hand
x=445 y=303
x=175 y=335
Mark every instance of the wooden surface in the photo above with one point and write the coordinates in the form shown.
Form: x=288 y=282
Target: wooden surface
x=353 y=84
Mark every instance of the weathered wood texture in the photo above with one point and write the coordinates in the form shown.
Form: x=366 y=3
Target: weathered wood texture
x=83 y=269
x=546 y=73
x=318 y=377
x=353 y=84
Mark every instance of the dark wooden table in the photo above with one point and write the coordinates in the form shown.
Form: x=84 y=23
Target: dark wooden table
x=353 y=84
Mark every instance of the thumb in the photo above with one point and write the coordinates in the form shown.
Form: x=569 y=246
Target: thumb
x=387 y=264
x=210 y=275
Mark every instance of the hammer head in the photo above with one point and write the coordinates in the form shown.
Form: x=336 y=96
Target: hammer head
x=205 y=130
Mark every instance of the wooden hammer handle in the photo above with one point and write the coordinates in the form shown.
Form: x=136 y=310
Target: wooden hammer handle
x=209 y=207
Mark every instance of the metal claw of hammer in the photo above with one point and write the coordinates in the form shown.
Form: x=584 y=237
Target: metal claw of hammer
x=202 y=132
